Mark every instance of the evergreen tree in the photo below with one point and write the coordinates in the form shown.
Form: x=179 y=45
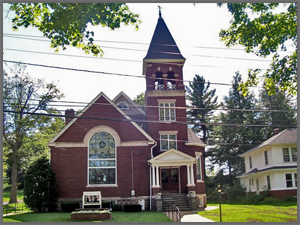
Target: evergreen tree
x=40 y=191
x=232 y=140
x=279 y=101
x=203 y=101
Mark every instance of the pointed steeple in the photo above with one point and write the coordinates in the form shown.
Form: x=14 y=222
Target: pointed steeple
x=162 y=45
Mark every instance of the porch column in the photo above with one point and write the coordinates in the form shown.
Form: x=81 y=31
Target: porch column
x=153 y=176
x=188 y=174
x=192 y=175
x=157 y=176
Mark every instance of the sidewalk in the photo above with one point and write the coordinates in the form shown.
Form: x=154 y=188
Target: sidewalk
x=196 y=217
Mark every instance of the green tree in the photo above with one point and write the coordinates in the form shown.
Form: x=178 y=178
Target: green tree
x=140 y=101
x=202 y=103
x=66 y=24
x=232 y=140
x=23 y=98
x=40 y=190
x=262 y=31
x=274 y=117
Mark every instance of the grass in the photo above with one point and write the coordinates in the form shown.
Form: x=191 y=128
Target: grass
x=66 y=217
x=6 y=195
x=284 y=212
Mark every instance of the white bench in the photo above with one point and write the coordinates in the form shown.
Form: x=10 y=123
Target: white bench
x=91 y=198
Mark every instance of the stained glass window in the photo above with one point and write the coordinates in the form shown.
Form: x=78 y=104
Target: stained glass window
x=102 y=159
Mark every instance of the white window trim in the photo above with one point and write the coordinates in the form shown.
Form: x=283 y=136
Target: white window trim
x=163 y=150
x=290 y=154
x=266 y=157
x=198 y=157
x=88 y=164
x=293 y=180
x=164 y=101
x=127 y=106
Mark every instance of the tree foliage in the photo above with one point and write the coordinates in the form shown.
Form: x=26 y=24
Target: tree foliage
x=262 y=31
x=140 y=101
x=66 y=24
x=40 y=191
x=203 y=101
x=23 y=98
x=231 y=141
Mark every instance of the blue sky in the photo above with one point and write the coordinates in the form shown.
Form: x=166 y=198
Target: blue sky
x=195 y=29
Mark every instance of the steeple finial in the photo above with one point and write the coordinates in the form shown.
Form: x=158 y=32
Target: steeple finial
x=159 y=7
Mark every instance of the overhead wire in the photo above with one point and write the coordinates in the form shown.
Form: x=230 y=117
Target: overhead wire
x=115 y=74
x=149 y=121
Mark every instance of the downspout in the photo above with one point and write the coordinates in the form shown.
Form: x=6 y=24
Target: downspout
x=155 y=143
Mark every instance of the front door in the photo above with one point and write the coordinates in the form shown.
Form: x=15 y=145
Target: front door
x=169 y=180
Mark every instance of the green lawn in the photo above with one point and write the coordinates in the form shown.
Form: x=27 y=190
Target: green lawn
x=285 y=212
x=6 y=195
x=66 y=217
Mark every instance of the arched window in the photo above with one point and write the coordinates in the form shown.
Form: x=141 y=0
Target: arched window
x=123 y=105
x=102 y=159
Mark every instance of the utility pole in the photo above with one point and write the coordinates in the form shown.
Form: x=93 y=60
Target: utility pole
x=220 y=197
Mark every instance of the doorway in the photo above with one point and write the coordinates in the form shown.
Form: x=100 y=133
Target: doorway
x=170 y=180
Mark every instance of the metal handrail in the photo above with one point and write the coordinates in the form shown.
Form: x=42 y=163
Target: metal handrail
x=171 y=209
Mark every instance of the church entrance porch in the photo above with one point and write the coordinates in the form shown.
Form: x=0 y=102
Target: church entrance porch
x=170 y=180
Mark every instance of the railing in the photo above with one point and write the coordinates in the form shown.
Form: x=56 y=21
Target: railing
x=12 y=208
x=172 y=211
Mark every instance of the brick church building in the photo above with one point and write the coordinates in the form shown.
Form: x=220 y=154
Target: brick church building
x=132 y=155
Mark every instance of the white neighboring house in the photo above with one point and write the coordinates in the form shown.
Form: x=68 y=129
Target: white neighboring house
x=272 y=165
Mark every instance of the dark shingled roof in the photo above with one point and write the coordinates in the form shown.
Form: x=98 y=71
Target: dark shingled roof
x=288 y=136
x=162 y=45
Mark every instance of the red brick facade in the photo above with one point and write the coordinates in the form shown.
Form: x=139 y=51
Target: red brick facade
x=135 y=144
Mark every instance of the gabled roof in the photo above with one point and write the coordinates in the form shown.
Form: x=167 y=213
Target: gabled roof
x=162 y=45
x=150 y=139
x=172 y=157
x=134 y=109
x=288 y=136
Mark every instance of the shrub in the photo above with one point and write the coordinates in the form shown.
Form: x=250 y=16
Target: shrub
x=254 y=199
x=289 y=199
x=270 y=200
x=69 y=206
x=40 y=193
x=117 y=207
x=105 y=205
x=132 y=208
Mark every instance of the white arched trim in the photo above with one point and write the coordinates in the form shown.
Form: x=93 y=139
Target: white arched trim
x=104 y=128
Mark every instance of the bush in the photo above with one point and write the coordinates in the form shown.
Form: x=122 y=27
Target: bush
x=105 y=205
x=289 y=199
x=132 y=208
x=117 y=207
x=254 y=199
x=270 y=201
x=69 y=206
x=40 y=193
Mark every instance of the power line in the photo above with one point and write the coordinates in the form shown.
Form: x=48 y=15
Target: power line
x=147 y=106
x=147 y=121
x=116 y=74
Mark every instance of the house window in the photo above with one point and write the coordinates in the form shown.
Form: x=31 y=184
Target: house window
x=102 y=159
x=167 y=111
x=289 y=154
x=291 y=179
x=250 y=162
x=266 y=158
x=168 y=141
x=268 y=182
x=199 y=169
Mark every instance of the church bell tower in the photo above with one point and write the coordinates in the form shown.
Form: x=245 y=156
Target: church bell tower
x=165 y=92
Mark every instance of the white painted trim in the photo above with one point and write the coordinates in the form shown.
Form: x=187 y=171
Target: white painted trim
x=88 y=106
x=171 y=132
x=164 y=93
x=194 y=144
x=166 y=100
